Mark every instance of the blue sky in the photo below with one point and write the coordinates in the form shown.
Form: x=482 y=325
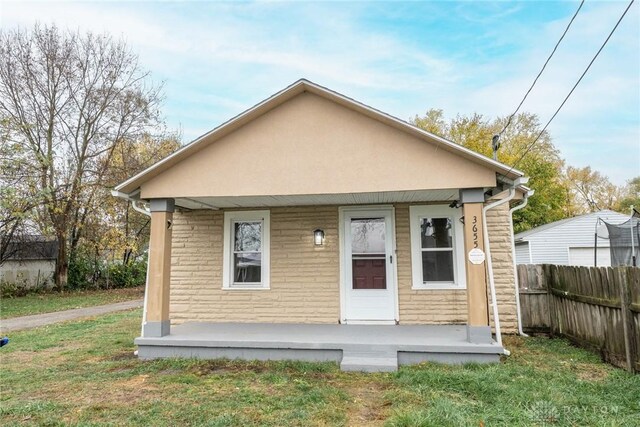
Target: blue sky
x=217 y=59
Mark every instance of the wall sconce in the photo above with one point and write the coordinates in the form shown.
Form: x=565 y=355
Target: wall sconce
x=318 y=237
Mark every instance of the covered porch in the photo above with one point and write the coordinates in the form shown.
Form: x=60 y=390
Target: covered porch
x=377 y=346
x=354 y=347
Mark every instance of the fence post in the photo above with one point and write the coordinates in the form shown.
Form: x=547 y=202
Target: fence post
x=626 y=283
x=546 y=279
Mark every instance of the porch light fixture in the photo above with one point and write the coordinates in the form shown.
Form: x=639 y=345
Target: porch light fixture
x=318 y=237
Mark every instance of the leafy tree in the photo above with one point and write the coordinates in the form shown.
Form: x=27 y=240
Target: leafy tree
x=66 y=100
x=630 y=196
x=542 y=163
x=591 y=190
x=119 y=229
x=433 y=121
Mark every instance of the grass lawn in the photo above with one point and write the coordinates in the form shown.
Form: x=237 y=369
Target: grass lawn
x=84 y=373
x=54 y=301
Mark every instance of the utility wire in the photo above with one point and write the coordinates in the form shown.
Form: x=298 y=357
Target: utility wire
x=573 y=88
x=542 y=69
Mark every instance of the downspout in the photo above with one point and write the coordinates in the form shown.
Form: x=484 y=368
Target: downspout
x=487 y=247
x=513 y=258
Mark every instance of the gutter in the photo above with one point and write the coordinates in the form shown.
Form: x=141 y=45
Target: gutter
x=492 y=284
x=513 y=258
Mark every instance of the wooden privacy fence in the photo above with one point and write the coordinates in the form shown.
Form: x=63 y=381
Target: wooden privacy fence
x=595 y=307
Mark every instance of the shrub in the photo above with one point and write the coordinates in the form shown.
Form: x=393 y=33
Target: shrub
x=22 y=287
x=12 y=289
x=85 y=272
x=125 y=275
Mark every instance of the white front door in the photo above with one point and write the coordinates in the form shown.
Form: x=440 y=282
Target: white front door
x=368 y=259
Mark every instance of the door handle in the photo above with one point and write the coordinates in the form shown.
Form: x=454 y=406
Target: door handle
x=391 y=259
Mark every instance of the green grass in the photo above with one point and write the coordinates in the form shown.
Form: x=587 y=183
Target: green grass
x=84 y=373
x=55 y=301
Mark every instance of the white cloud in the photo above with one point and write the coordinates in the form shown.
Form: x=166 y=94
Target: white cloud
x=600 y=124
x=220 y=58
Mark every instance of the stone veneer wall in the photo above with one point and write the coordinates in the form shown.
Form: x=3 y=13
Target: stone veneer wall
x=305 y=279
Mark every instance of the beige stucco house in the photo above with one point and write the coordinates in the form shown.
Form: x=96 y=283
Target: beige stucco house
x=315 y=227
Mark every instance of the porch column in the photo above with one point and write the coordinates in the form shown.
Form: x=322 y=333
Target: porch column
x=157 y=322
x=478 y=329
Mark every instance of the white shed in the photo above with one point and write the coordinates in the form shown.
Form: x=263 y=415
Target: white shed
x=567 y=242
x=30 y=262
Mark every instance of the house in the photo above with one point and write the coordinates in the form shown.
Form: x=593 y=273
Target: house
x=30 y=262
x=315 y=227
x=569 y=241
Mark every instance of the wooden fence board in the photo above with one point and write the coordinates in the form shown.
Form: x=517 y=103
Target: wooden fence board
x=596 y=307
x=535 y=314
x=633 y=301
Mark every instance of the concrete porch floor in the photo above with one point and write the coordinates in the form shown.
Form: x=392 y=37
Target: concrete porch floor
x=354 y=347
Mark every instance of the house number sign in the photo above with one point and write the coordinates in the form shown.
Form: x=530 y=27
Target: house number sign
x=476 y=255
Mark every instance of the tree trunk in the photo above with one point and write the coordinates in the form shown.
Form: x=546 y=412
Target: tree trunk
x=62 y=264
x=127 y=256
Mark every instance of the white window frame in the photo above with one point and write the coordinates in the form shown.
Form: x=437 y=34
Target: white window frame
x=416 y=214
x=230 y=218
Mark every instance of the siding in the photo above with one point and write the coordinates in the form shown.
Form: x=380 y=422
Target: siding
x=450 y=306
x=551 y=245
x=522 y=253
x=423 y=306
x=584 y=256
x=28 y=273
x=304 y=278
x=502 y=259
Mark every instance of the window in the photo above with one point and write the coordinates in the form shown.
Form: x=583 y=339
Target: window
x=436 y=245
x=246 y=250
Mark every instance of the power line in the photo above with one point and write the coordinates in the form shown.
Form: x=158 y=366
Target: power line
x=573 y=88
x=542 y=69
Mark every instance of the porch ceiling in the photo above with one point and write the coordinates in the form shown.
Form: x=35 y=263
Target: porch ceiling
x=446 y=195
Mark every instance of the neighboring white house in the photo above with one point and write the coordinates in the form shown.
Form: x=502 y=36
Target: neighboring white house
x=30 y=263
x=569 y=241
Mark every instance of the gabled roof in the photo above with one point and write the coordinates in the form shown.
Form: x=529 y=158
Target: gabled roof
x=545 y=227
x=131 y=185
x=28 y=248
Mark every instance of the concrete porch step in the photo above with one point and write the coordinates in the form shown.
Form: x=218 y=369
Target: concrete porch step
x=369 y=360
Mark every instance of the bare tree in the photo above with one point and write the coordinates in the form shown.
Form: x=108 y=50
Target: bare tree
x=67 y=99
x=14 y=206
